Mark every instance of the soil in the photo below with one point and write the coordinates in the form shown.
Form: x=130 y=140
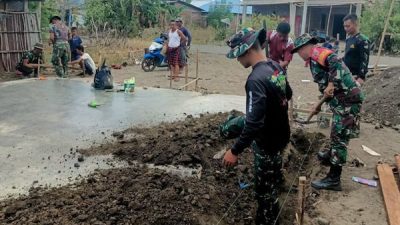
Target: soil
x=139 y=195
x=383 y=102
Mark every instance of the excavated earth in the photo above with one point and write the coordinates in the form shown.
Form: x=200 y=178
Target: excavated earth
x=140 y=195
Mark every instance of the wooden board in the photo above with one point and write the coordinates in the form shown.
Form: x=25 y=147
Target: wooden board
x=391 y=194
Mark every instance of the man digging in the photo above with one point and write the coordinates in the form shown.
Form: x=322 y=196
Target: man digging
x=267 y=124
x=344 y=97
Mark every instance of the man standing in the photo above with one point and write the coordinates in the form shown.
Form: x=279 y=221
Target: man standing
x=267 y=125
x=356 y=55
x=74 y=42
x=30 y=61
x=280 y=45
x=175 y=39
x=344 y=97
x=184 y=46
x=59 y=33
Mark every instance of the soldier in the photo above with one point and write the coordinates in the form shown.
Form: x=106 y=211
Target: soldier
x=267 y=125
x=344 y=98
x=31 y=61
x=356 y=55
x=59 y=34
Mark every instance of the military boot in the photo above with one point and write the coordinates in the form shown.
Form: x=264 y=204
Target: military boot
x=331 y=181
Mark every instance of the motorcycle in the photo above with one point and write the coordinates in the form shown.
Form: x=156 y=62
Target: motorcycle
x=153 y=56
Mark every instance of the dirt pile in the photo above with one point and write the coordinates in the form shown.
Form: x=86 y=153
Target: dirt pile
x=146 y=196
x=383 y=98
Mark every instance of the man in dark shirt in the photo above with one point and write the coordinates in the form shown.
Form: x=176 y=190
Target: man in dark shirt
x=280 y=45
x=74 y=42
x=267 y=125
x=356 y=55
x=184 y=46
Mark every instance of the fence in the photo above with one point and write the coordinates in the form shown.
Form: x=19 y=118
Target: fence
x=19 y=31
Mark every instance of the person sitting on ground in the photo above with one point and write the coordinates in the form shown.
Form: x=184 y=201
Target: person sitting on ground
x=31 y=61
x=74 y=42
x=85 y=61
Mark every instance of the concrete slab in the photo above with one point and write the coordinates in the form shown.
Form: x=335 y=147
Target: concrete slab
x=41 y=121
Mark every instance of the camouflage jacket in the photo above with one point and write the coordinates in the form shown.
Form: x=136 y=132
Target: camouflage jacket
x=326 y=67
x=32 y=58
x=60 y=31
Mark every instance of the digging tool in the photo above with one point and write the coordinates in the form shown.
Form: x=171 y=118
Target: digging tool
x=313 y=113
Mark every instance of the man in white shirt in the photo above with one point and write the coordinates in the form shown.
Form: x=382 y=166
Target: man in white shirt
x=175 y=39
x=85 y=61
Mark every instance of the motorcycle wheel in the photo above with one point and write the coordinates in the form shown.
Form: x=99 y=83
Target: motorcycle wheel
x=148 y=65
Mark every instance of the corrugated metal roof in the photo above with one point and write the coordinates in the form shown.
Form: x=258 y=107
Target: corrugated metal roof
x=235 y=5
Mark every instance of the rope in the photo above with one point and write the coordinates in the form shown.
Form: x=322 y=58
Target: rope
x=226 y=213
x=294 y=180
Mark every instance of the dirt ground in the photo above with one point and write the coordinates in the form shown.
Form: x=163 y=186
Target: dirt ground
x=146 y=196
x=356 y=205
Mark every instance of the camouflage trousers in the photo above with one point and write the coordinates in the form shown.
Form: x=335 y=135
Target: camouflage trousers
x=344 y=127
x=60 y=58
x=267 y=181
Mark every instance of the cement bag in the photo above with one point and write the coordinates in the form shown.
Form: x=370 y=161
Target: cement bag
x=232 y=127
x=103 y=78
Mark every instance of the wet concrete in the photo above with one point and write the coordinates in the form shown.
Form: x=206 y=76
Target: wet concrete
x=43 y=122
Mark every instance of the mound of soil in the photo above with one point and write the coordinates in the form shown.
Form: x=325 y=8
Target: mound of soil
x=140 y=195
x=383 y=101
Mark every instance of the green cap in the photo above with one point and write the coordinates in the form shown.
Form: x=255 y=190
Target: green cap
x=243 y=40
x=303 y=40
x=38 y=46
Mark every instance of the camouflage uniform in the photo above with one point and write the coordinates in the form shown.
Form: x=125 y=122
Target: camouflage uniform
x=346 y=102
x=61 y=50
x=266 y=125
x=32 y=57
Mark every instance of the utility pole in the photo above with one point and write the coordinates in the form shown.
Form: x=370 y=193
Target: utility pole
x=304 y=19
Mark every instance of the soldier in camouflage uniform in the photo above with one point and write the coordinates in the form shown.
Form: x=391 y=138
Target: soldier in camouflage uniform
x=266 y=126
x=30 y=61
x=344 y=98
x=59 y=33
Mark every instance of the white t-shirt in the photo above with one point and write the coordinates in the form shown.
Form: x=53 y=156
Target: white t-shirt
x=90 y=61
x=174 y=39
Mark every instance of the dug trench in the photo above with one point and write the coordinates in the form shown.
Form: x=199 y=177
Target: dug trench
x=140 y=195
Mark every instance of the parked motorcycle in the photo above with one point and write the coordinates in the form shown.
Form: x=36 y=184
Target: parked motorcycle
x=153 y=56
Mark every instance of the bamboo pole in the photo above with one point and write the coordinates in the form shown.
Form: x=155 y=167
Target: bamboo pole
x=301 y=200
x=384 y=33
x=186 y=75
x=329 y=19
x=197 y=70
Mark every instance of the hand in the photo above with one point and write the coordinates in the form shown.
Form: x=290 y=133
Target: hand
x=360 y=82
x=328 y=92
x=229 y=159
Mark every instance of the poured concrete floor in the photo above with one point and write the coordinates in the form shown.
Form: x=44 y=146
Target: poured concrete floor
x=40 y=121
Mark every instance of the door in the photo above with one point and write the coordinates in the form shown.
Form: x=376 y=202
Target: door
x=338 y=27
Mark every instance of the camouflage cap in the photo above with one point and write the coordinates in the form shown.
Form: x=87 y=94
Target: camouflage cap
x=38 y=46
x=243 y=40
x=303 y=40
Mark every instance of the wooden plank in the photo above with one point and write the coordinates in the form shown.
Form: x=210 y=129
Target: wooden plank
x=391 y=194
x=301 y=200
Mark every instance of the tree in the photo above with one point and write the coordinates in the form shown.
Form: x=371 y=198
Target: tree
x=373 y=21
x=219 y=18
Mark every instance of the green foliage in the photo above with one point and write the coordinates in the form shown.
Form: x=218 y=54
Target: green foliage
x=256 y=22
x=373 y=22
x=214 y=19
x=129 y=16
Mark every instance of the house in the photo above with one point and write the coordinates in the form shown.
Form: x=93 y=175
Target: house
x=191 y=14
x=19 y=31
x=309 y=15
x=235 y=7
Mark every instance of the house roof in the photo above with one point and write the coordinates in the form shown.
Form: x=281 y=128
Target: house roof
x=188 y=5
x=235 y=5
x=310 y=2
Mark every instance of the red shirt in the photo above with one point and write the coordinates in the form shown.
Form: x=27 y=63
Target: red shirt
x=279 y=50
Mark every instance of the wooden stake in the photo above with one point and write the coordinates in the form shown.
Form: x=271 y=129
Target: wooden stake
x=391 y=194
x=384 y=33
x=301 y=200
x=197 y=70
x=329 y=20
x=397 y=157
x=186 y=75
x=187 y=84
